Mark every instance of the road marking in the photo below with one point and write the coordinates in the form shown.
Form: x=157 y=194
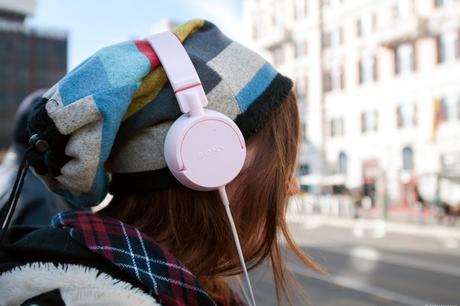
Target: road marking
x=359 y=286
x=450 y=243
x=366 y=253
x=377 y=228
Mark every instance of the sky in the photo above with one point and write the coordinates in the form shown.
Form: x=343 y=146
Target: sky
x=93 y=24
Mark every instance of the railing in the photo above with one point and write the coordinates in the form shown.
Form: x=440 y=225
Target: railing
x=444 y=19
x=326 y=205
x=274 y=38
x=403 y=30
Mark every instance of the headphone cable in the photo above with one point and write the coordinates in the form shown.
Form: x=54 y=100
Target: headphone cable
x=225 y=201
x=10 y=206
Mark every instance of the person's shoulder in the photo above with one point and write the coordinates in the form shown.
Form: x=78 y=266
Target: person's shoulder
x=40 y=264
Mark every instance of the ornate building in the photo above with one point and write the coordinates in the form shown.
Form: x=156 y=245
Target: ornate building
x=378 y=86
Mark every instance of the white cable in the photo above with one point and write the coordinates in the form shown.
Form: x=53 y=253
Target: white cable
x=224 y=198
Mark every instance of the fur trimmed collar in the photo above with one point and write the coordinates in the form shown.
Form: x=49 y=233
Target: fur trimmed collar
x=79 y=286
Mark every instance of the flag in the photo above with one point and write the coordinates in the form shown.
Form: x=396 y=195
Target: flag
x=439 y=114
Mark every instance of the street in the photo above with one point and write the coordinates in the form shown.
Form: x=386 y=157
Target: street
x=371 y=265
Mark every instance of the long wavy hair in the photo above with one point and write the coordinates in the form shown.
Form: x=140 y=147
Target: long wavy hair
x=193 y=225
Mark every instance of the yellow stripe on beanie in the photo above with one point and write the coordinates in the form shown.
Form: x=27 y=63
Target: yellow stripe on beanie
x=153 y=83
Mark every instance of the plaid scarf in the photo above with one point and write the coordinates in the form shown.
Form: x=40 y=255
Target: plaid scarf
x=135 y=253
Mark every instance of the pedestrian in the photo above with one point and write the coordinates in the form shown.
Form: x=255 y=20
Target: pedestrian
x=357 y=203
x=37 y=204
x=158 y=242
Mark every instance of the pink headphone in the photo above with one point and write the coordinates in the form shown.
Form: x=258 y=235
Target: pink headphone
x=204 y=149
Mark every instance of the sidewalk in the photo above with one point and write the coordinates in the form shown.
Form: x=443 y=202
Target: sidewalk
x=377 y=226
x=405 y=214
x=337 y=212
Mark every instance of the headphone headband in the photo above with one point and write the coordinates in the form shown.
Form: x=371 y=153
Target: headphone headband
x=180 y=71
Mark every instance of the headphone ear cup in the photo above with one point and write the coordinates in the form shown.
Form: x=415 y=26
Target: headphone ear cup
x=205 y=152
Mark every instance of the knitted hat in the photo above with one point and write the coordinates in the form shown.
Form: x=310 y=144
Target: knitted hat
x=110 y=115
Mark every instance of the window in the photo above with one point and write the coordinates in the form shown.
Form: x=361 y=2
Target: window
x=304 y=130
x=407 y=158
x=327 y=81
x=403 y=8
x=335 y=3
x=300 y=49
x=369 y=121
x=336 y=127
x=367 y=69
x=336 y=37
x=337 y=78
x=257 y=27
x=458 y=109
x=406 y=115
x=334 y=79
x=365 y=25
x=278 y=19
x=301 y=9
x=404 y=59
x=301 y=86
x=440 y=3
x=273 y=20
x=333 y=38
x=326 y=40
x=278 y=56
x=304 y=169
x=332 y=3
x=448 y=47
x=343 y=163
x=449 y=107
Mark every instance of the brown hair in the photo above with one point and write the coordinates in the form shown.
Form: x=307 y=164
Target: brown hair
x=193 y=225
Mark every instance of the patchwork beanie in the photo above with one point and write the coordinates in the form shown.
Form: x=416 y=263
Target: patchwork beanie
x=107 y=119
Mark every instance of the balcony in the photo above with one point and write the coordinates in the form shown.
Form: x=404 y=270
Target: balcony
x=444 y=19
x=274 y=38
x=403 y=30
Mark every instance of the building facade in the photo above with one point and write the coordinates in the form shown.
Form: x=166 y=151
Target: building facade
x=377 y=82
x=30 y=59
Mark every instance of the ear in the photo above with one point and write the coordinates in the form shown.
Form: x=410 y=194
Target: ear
x=251 y=151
